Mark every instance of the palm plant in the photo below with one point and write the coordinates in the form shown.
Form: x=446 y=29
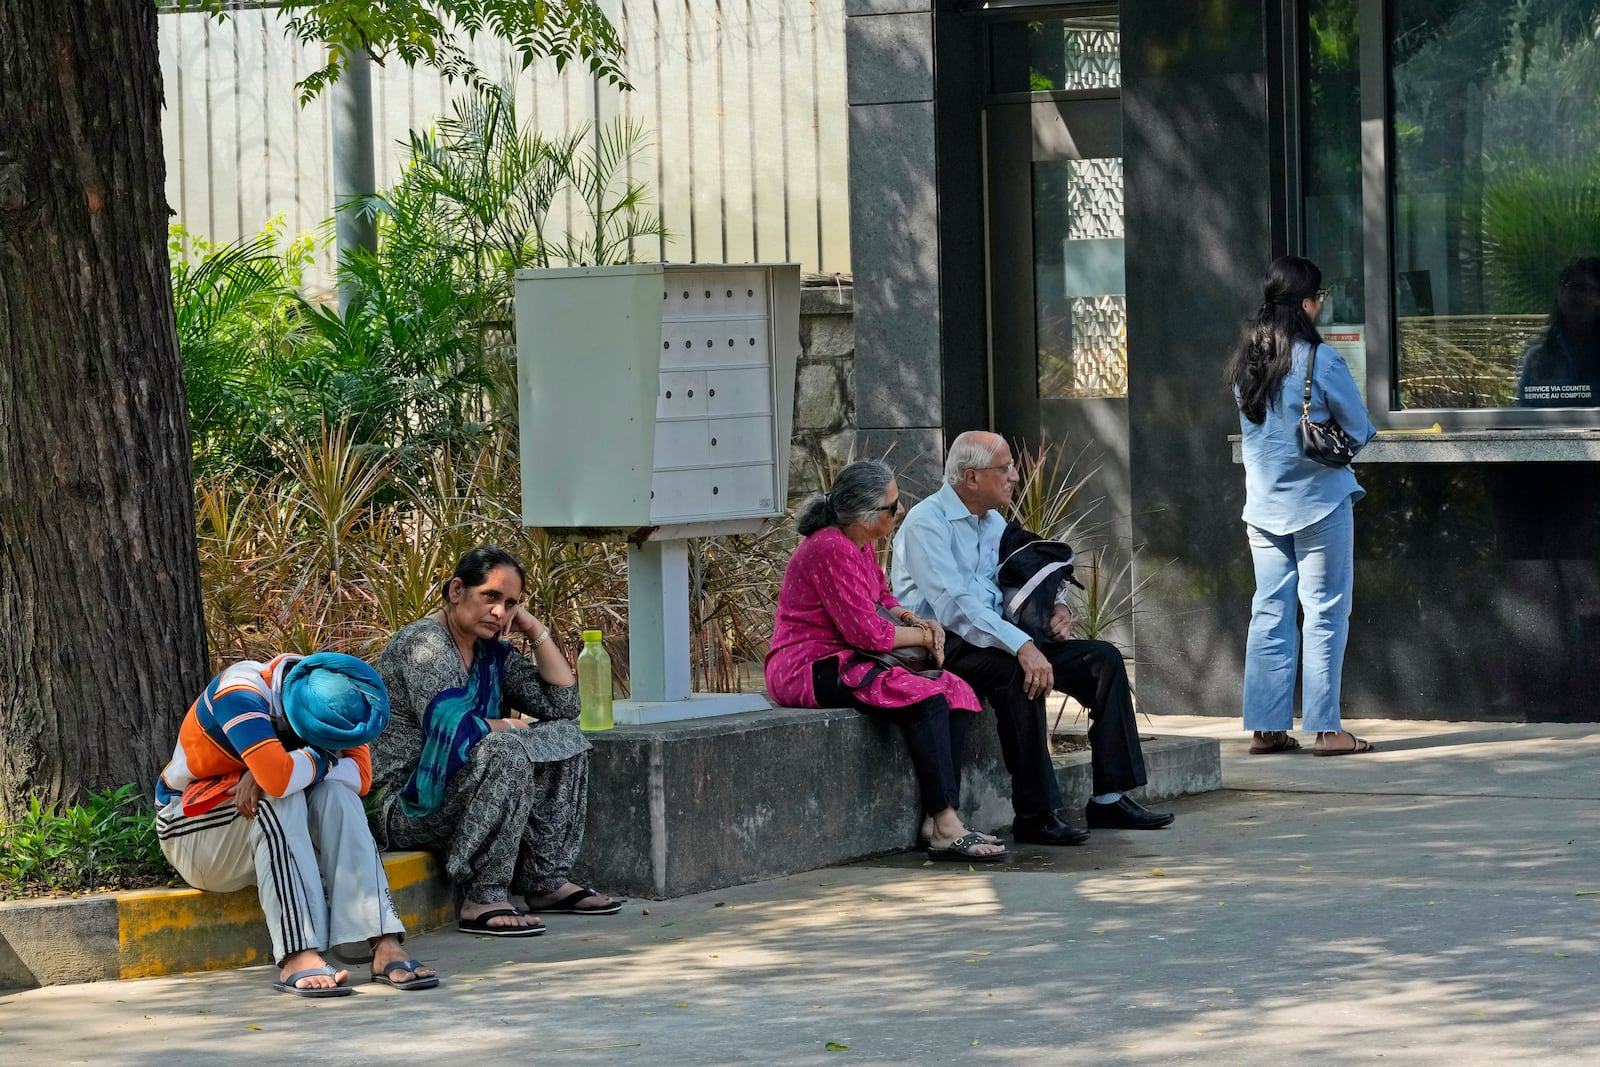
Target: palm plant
x=238 y=333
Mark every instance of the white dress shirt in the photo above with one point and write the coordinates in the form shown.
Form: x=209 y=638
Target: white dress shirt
x=944 y=567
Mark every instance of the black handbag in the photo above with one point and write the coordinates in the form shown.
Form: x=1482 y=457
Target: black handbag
x=1324 y=442
x=914 y=658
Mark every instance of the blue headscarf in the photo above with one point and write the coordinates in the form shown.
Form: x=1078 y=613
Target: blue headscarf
x=334 y=702
x=452 y=723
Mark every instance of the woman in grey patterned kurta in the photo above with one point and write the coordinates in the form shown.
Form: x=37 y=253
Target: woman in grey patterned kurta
x=502 y=798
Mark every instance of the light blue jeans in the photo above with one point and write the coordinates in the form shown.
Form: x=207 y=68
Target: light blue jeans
x=1316 y=568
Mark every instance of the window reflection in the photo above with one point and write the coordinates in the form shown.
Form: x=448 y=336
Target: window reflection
x=1331 y=174
x=1496 y=176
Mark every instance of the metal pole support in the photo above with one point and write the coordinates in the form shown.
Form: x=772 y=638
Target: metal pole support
x=658 y=621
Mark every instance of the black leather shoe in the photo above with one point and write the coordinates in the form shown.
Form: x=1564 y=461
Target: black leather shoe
x=1046 y=829
x=1125 y=814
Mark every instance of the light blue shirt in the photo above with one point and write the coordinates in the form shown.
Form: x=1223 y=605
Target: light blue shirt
x=1283 y=490
x=944 y=567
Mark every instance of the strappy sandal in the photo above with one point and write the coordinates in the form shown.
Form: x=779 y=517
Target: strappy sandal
x=1361 y=745
x=1274 y=741
x=961 y=850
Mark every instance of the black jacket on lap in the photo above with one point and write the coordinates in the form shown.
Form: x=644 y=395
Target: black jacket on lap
x=1033 y=570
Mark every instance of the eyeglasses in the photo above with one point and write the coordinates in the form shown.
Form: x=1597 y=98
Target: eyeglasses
x=1320 y=294
x=891 y=507
x=1009 y=468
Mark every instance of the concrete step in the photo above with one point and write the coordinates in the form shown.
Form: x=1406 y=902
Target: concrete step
x=677 y=808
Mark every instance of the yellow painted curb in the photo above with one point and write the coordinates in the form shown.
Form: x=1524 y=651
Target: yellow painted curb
x=144 y=933
x=169 y=931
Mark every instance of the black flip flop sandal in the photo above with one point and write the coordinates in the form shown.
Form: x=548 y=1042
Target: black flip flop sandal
x=568 y=905
x=287 y=984
x=388 y=979
x=480 y=925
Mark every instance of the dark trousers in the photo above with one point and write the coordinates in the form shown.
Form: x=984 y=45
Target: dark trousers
x=934 y=733
x=1091 y=672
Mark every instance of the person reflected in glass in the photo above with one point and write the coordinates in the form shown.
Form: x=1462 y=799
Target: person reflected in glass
x=1298 y=514
x=835 y=626
x=1561 y=367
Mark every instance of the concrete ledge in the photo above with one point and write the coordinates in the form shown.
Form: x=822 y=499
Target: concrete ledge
x=679 y=808
x=674 y=808
x=1474 y=446
x=148 y=932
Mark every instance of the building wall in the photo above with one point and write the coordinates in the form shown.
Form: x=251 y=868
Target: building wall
x=1477 y=585
x=744 y=101
x=1477 y=589
x=1197 y=201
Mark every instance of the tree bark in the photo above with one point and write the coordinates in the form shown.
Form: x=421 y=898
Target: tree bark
x=102 y=641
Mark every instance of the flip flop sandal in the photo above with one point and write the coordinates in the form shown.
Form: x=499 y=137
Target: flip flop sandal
x=387 y=977
x=1280 y=742
x=287 y=984
x=960 y=851
x=1361 y=745
x=568 y=905
x=480 y=925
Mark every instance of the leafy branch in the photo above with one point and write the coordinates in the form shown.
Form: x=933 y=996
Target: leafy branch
x=436 y=34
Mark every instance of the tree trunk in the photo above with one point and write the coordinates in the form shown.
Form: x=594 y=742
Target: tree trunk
x=102 y=642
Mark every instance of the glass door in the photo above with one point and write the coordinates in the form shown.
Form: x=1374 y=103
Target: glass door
x=1057 y=304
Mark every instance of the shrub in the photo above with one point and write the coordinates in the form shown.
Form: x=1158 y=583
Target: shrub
x=108 y=842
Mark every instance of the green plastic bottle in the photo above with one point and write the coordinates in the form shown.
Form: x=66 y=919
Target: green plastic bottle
x=594 y=684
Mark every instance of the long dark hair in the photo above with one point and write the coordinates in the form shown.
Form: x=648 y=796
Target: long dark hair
x=1264 y=351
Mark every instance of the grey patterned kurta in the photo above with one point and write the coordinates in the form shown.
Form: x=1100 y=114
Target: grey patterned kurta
x=512 y=817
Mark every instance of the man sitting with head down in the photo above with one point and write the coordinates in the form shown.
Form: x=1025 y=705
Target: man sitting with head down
x=945 y=567
x=265 y=788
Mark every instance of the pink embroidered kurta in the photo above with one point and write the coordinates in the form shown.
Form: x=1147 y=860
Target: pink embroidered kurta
x=827 y=609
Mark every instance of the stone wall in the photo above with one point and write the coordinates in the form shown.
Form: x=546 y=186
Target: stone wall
x=824 y=396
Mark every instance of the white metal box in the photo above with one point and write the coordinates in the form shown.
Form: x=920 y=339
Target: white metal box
x=656 y=395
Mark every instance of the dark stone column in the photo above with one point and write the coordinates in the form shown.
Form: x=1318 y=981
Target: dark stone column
x=915 y=230
x=1197 y=190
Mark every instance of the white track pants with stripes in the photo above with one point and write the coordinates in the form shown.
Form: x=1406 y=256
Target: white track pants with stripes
x=310 y=855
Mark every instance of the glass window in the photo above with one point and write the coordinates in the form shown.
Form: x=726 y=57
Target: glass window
x=1495 y=171
x=1330 y=145
x=1081 y=312
x=1083 y=52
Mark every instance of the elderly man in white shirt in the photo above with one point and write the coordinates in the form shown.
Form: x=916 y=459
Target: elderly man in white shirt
x=946 y=559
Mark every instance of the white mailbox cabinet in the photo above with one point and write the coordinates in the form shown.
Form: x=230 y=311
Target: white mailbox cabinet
x=656 y=404
x=656 y=399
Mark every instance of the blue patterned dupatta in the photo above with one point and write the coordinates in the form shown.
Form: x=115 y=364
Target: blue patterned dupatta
x=453 y=722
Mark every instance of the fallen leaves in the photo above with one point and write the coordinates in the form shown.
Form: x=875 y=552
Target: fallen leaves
x=834 y=1046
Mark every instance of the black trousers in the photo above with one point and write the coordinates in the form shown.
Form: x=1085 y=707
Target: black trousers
x=1091 y=672
x=934 y=733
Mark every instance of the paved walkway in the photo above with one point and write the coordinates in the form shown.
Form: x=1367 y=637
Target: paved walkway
x=1434 y=903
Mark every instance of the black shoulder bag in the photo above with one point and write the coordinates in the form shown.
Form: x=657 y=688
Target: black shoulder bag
x=1324 y=442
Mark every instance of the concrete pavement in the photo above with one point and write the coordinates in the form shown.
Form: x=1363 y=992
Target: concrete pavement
x=1435 y=902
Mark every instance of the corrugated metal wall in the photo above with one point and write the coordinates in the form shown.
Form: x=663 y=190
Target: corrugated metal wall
x=744 y=100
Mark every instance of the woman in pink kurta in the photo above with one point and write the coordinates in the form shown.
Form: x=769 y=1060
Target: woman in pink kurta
x=829 y=628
